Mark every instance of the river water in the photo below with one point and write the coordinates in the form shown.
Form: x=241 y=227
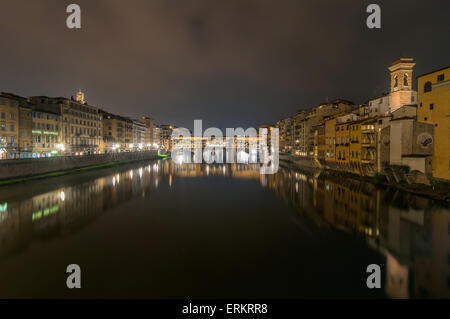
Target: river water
x=165 y=230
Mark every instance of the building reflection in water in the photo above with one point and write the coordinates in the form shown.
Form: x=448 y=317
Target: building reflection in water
x=411 y=232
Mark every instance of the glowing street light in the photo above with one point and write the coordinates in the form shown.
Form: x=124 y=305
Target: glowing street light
x=61 y=147
x=115 y=147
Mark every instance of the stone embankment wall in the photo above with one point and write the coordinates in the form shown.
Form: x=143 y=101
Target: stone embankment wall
x=313 y=165
x=397 y=176
x=16 y=168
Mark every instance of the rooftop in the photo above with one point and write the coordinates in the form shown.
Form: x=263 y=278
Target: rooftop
x=438 y=70
x=403 y=60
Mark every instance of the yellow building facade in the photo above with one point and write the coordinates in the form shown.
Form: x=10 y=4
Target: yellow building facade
x=434 y=108
x=25 y=132
x=330 y=139
x=9 y=128
x=342 y=143
x=81 y=123
x=369 y=142
x=117 y=133
x=46 y=133
x=355 y=143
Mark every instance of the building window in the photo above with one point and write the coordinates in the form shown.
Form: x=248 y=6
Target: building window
x=425 y=118
x=405 y=81
x=431 y=106
x=427 y=87
x=440 y=77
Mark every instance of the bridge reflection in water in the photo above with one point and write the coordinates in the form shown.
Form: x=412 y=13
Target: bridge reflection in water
x=411 y=233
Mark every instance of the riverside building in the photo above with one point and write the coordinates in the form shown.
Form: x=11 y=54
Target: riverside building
x=81 y=123
x=117 y=132
x=434 y=109
x=46 y=132
x=9 y=127
x=25 y=145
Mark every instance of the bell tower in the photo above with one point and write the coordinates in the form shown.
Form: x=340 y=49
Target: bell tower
x=401 y=83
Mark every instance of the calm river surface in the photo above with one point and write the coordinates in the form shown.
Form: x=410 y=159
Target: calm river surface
x=163 y=230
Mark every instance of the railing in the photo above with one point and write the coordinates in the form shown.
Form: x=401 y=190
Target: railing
x=367 y=160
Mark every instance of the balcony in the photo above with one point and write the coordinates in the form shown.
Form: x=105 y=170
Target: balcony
x=367 y=161
x=368 y=157
x=369 y=145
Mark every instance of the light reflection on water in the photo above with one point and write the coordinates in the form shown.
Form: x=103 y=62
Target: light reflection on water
x=411 y=233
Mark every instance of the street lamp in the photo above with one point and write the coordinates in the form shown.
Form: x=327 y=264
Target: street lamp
x=61 y=147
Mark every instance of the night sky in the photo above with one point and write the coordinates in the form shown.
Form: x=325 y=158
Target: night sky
x=229 y=62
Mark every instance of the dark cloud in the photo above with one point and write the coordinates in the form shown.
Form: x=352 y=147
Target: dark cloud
x=234 y=62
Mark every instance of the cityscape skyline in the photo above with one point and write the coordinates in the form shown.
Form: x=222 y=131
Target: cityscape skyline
x=178 y=62
x=397 y=129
